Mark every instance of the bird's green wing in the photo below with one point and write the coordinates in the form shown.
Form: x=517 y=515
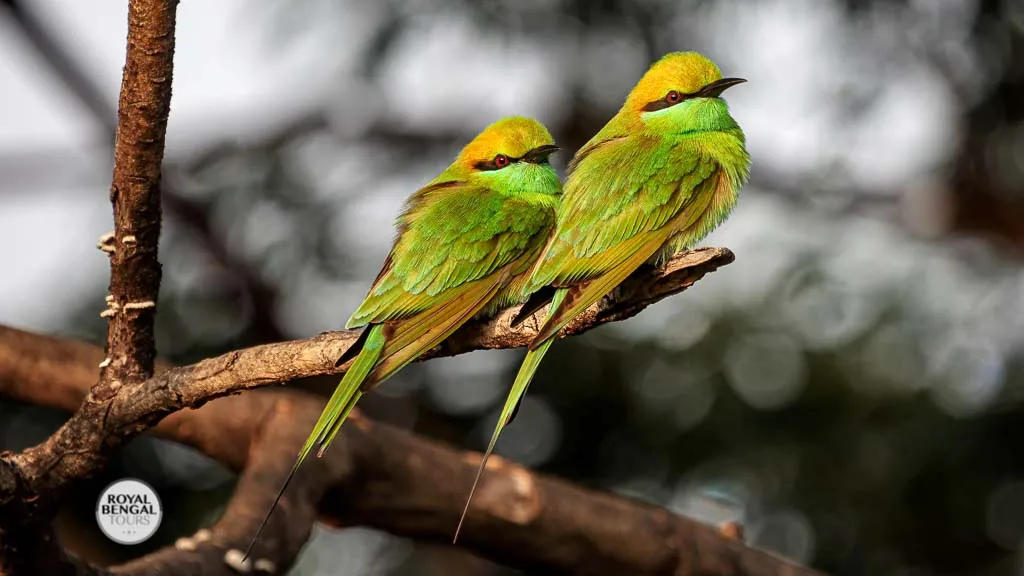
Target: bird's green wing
x=393 y=345
x=619 y=208
x=457 y=246
x=578 y=297
x=414 y=336
x=451 y=235
x=625 y=189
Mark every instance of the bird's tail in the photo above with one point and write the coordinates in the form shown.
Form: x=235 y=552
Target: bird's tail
x=337 y=410
x=511 y=407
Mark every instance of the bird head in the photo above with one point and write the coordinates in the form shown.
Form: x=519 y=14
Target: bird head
x=508 y=141
x=511 y=155
x=681 y=93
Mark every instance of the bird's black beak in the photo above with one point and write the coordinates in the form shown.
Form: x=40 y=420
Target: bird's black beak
x=715 y=89
x=541 y=153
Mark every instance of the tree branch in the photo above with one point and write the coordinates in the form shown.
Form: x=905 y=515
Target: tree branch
x=135 y=194
x=32 y=482
x=389 y=479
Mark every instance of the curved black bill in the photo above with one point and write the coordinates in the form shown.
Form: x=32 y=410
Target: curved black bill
x=715 y=89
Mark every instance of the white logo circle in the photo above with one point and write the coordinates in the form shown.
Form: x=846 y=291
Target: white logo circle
x=129 y=511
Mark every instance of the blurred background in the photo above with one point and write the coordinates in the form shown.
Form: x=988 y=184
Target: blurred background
x=850 y=389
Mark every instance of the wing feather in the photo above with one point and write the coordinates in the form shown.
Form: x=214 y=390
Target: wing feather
x=409 y=338
x=450 y=237
x=629 y=187
x=581 y=296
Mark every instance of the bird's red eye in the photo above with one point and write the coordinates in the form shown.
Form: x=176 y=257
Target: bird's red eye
x=501 y=160
x=672 y=97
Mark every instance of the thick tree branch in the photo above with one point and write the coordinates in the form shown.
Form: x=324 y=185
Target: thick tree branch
x=386 y=478
x=34 y=480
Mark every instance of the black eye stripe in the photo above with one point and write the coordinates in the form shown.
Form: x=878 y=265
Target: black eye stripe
x=712 y=90
x=492 y=165
x=538 y=155
x=662 y=103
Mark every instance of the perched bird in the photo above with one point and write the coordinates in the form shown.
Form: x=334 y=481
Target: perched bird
x=465 y=246
x=660 y=175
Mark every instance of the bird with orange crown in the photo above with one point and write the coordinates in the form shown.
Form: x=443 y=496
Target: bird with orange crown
x=660 y=175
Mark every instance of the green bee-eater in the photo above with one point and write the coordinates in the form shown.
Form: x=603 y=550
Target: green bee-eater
x=465 y=247
x=660 y=175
